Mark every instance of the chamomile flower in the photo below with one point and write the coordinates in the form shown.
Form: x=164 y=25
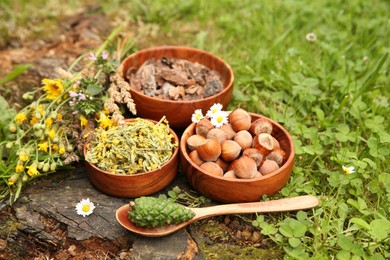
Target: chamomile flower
x=85 y=207
x=213 y=110
x=348 y=170
x=197 y=116
x=219 y=119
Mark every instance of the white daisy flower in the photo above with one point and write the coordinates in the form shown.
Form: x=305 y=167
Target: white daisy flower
x=85 y=207
x=311 y=37
x=197 y=116
x=348 y=170
x=219 y=119
x=213 y=110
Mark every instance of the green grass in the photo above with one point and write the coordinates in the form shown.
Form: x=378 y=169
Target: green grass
x=332 y=95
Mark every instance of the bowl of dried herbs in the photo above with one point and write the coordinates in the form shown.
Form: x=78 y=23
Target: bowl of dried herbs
x=135 y=159
x=166 y=79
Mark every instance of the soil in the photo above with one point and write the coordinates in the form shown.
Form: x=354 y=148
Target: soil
x=232 y=236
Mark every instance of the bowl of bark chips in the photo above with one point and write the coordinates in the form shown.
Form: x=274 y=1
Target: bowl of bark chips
x=176 y=80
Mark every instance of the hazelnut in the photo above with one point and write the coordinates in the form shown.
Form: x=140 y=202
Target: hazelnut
x=261 y=125
x=203 y=127
x=276 y=155
x=268 y=167
x=223 y=164
x=230 y=175
x=218 y=134
x=240 y=119
x=276 y=143
x=244 y=167
x=244 y=139
x=258 y=175
x=264 y=143
x=212 y=168
x=194 y=141
x=227 y=128
x=230 y=150
x=209 y=150
x=195 y=158
x=255 y=155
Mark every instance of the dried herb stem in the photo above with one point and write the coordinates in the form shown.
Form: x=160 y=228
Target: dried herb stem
x=136 y=147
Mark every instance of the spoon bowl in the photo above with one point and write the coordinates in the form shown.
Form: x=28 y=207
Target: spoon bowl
x=281 y=205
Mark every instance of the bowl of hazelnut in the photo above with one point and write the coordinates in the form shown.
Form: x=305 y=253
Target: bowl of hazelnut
x=173 y=81
x=236 y=156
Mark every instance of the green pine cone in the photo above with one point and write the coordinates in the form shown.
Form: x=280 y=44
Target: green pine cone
x=157 y=212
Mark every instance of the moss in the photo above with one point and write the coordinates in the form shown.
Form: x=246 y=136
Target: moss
x=226 y=251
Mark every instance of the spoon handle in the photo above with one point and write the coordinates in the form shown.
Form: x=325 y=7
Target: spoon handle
x=281 y=205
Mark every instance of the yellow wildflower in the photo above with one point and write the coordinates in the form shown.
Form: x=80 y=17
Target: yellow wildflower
x=83 y=121
x=43 y=146
x=55 y=147
x=53 y=88
x=20 y=117
x=49 y=122
x=13 y=179
x=105 y=111
x=23 y=156
x=104 y=121
x=52 y=133
x=61 y=150
x=59 y=116
x=41 y=110
x=19 y=168
x=32 y=170
x=34 y=120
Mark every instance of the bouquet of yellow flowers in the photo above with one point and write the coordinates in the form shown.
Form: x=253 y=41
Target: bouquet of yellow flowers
x=47 y=134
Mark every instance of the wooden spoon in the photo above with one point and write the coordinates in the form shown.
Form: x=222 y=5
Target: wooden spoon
x=281 y=205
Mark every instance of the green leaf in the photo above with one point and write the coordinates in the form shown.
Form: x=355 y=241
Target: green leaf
x=94 y=89
x=294 y=242
x=380 y=228
x=370 y=162
x=357 y=250
x=345 y=242
x=362 y=204
x=320 y=113
x=343 y=255
x=310 y=82
x=342 y=210
x=16 y=71
x=301 y=215
x=384 y=137
x=172 y=194
x=374 y=123
x=361 y=223
x=268 y=229
x=239 y=96
x=297 y=78
x=299 y=229
x=286 y=230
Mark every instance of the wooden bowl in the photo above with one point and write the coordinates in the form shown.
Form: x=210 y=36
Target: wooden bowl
x=238 y=190
x=179 y=113
x=137 y=185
